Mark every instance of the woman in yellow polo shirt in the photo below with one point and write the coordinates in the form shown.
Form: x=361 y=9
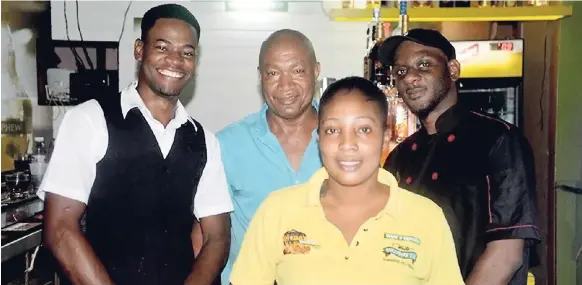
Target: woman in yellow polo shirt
x=350 y=224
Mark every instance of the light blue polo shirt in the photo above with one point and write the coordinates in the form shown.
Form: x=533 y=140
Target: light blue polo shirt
x=256 y=165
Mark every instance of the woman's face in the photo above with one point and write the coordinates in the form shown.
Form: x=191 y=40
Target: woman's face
x=351 y=138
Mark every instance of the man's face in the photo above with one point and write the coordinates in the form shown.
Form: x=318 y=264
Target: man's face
x=288 y=75
x=167 y=56
x=423 y=77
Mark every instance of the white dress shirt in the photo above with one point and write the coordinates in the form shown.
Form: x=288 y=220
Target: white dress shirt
x=83 y=139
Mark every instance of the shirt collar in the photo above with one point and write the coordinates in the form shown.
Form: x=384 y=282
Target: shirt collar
x=450 y=119
x=130 y=99
x=262 y=127
x=392 y=207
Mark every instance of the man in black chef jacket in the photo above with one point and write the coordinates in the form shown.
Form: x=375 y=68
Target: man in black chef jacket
x=478 y=168
x=141 y=171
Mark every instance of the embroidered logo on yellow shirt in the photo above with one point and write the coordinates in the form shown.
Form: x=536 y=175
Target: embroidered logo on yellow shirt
x=400 y=252
x=295 y=242
x=403 y=252
x=402 y=238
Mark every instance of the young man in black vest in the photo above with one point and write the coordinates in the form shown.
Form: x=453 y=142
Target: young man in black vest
x=142 y=172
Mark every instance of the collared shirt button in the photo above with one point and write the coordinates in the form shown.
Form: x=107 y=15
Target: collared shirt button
x=435 y=176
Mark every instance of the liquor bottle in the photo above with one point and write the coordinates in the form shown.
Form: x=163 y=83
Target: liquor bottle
x=422 y=3
x=397 y=113
x=487 y=3
x=462 y=4
x=447 y=3
x=389 y=4
x=373 y=68
x=400 y=120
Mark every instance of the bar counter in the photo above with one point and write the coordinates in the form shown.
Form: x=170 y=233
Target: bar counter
x=21 y=226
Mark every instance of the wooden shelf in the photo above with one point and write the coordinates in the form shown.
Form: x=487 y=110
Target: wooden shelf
x=473 y=14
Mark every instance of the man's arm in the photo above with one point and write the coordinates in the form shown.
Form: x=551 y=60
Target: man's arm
x=197 y=239
x=498 y=263
x=63 y=237
x=214 y=252
x=510 y=211
x=66 y=187
x=212 y=205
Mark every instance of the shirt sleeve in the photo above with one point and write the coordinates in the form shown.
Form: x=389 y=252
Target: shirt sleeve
x=444 y=266
x=72 y=167
x=257 y=258
x=212 y=196
x=511 y=211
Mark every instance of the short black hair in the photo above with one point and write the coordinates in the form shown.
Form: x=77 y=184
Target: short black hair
x=368 y=89
x=167 y=11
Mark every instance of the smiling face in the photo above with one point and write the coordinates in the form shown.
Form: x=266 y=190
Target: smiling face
x=288 y=75
x=423 y=76
x=167 y=56
x=351 y=138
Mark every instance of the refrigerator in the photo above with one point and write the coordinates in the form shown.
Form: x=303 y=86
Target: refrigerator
x=491 y=79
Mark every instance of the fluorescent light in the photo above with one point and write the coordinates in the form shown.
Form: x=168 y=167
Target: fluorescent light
x=256 y=5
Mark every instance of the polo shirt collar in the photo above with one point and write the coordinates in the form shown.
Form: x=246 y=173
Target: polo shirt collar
x=392 y=207
x=262 y=127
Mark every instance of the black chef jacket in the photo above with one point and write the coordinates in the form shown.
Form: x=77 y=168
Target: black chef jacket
x=480 y=171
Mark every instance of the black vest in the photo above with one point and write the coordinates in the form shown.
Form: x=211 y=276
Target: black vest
x=140 y=211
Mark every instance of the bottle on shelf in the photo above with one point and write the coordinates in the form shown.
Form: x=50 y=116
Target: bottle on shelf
x=397 y=113
x=486 y=3
x=422 y=3
x=536 y=3
x=373 y=68
x=38 y=162
x=462 y=4
x=446 y=3
x=389 y=4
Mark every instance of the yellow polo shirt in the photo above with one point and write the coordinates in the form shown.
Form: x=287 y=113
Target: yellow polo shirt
x=290 y=240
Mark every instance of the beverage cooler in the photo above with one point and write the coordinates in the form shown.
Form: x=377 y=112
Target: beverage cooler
x=492 y=78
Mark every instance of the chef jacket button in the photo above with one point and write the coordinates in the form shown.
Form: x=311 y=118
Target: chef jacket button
x=414 y=146
x=435 y=176
x=408 y=180
x=451 y=138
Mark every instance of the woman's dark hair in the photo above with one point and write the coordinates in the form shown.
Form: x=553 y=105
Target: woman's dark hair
x=368 y=89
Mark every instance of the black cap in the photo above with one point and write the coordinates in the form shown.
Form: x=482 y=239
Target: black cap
x=430 y=38
x=172 y=11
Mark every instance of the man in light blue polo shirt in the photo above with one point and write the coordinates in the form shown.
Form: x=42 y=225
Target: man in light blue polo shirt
x=277 y=146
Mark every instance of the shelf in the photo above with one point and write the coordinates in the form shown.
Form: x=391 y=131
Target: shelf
x=473 y=14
